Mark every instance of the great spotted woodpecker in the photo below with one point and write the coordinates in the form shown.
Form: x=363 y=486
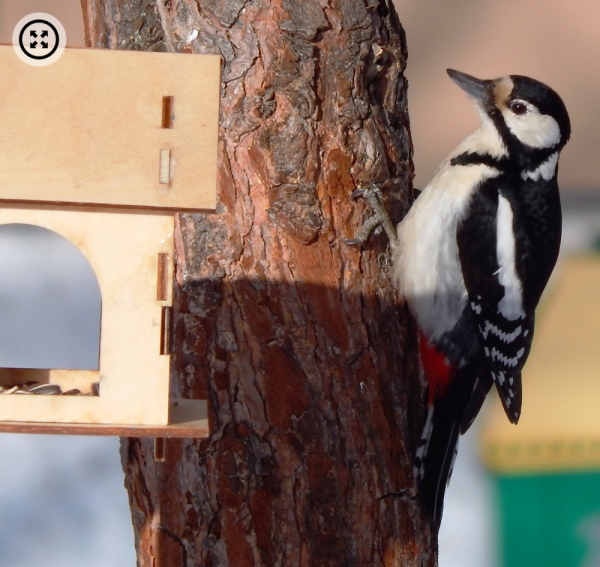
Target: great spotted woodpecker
x=472 y=257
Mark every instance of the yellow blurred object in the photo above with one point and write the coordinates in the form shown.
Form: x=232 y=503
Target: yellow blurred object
x=560 y=425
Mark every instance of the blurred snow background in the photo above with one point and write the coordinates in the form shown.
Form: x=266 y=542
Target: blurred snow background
x=63 y=503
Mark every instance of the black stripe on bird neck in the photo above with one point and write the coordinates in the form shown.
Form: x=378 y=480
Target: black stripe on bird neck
x=473 y=158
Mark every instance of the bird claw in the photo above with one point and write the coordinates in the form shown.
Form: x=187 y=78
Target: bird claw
x=352 y=241
x=380 y=219
x=360 y=192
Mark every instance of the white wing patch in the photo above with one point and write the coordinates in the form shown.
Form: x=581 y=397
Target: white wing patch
x=504 y=337
x=545 y=171
x=476 y=308
x=511 y=362
x=511 y=305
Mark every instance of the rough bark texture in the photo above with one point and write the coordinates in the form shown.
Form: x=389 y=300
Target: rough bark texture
x=298 y=341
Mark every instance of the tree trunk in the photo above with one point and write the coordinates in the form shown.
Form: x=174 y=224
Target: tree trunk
x=298 y=341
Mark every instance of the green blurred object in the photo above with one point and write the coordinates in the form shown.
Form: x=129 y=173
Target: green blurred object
x=550 y=520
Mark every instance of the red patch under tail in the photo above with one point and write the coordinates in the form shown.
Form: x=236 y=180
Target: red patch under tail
x=438 y=371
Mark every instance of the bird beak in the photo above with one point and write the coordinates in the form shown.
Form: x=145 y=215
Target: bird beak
x=480 y=90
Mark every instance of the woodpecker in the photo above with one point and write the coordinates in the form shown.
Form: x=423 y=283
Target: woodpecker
x=472 y=257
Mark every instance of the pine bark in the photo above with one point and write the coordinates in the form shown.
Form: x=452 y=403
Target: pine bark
x=298 y=341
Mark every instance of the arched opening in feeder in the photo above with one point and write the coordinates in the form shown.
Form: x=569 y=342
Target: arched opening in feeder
x=50 y=313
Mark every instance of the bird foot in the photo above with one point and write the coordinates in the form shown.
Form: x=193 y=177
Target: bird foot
x=379 y=220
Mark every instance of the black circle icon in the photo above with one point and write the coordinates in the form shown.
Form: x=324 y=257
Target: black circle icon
x=38 y=34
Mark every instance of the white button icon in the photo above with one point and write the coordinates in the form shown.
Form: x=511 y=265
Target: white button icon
x=39 y=39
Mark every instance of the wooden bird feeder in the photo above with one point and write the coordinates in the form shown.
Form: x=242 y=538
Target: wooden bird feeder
x=102 y=147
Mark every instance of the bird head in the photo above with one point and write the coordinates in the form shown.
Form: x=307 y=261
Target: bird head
x=523 y=110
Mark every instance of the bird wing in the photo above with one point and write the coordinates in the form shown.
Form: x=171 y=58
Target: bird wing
x=487 y=251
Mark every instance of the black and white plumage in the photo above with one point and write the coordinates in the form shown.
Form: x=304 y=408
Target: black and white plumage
x=472 y=258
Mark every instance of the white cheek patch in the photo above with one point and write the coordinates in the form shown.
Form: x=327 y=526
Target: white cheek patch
x=533 y=129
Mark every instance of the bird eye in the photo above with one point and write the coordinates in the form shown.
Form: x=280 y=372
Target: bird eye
x=517 y=107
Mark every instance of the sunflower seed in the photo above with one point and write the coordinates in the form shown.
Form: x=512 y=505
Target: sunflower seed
x=73 y=392
x=47 y=389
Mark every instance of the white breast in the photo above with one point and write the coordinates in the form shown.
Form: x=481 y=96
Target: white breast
x=425 y=260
